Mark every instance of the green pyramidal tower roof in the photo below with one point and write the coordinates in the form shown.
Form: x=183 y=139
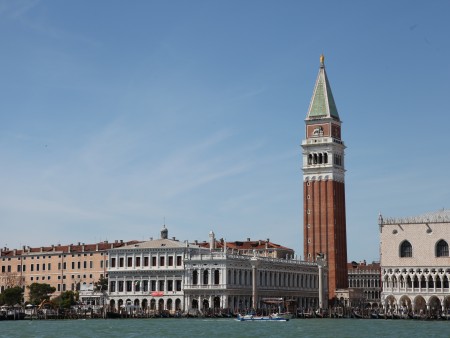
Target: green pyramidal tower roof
x=322 y=103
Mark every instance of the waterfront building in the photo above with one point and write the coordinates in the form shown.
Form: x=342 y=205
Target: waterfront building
x=324 y=220
x=166 y=275
x=415 y=263
x=148 y=275
x=224 y=278
x=366 y=278
x=65 y=267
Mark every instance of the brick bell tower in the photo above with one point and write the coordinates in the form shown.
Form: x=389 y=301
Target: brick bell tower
x=324 y=185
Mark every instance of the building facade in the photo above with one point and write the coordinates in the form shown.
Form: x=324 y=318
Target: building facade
x=148 y=275
x=415 y=263
x=65 y=267
x=165 y=275
x=324 y=219
x=366 y=277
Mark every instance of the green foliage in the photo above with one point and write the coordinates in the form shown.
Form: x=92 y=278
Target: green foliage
x=66 y=299
x=12 y=296
x=102 y=284
x=39 y=292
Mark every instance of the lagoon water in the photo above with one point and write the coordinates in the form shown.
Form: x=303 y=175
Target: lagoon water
x=347 y=328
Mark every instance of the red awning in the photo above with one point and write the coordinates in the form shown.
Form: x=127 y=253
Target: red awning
x=157 y=294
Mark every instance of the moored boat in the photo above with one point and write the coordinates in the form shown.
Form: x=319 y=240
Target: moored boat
x=255 y=318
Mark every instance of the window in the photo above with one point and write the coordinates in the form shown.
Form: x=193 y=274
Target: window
x=178 y=260
x=130 y=262
x=170 y=285
x=442 y=249
x=113 y=262
x=178 y=285
x=138 y=261
x=101 y=264
x=161 y=285
x=161 y=261
x=145 y=261
x=170 y=260
x=121 y=262
x=195 y=277
x=153 y=261
x=153 y=285
x=405 y=249
x=84 y=264
x=49 y=266
x=91 y=264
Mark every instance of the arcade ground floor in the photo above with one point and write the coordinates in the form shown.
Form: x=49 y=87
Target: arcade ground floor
x=205 y=303
x=417 y=303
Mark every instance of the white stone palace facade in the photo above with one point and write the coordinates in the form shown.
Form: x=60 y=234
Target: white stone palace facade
x=222 y=280
x=166 y=275
x=415 y=263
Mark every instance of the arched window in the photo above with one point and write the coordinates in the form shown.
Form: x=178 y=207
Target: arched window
x=325 y=158
x=406 y=249
x=309 y=159
x=442 y=249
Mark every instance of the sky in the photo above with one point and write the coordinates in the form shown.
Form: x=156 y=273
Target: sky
x=117 y=117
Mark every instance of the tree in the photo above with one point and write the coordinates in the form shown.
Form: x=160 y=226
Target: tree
x=12 y=296
x=66 y=299
x=102 y=284
x=39 y=292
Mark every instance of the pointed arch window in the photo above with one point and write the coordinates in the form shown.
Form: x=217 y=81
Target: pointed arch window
x=442 y=249
x=405 y=249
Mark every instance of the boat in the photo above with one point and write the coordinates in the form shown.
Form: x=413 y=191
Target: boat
x=255 y=318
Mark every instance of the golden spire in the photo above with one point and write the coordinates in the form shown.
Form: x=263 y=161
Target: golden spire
x=322 y=58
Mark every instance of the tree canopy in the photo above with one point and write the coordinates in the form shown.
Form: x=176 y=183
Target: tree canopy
x=12 y=296
x=66 y=299
x=39 y=292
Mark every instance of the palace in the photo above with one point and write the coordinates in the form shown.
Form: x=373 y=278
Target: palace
x=415 y=263
x=169 y=275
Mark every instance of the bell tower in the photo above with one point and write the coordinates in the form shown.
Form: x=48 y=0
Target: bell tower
x=324 y=224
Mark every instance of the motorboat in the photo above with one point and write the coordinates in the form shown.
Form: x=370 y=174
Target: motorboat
x=256 y=318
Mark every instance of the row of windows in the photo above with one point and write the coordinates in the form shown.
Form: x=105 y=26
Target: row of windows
x=406 y=249
x=205 y=277
x=145 y=285
x=43 y=257
x=48 y=266
x=137 y=261
x=320 y=158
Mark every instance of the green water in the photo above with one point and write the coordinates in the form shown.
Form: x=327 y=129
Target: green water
x=224 y=328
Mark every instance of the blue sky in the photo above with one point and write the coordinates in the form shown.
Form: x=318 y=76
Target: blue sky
x=117 y=114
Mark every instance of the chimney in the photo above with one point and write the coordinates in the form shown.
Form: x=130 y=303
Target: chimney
x=69 y=248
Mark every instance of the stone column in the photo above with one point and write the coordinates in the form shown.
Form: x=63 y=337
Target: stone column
x=255 y=263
